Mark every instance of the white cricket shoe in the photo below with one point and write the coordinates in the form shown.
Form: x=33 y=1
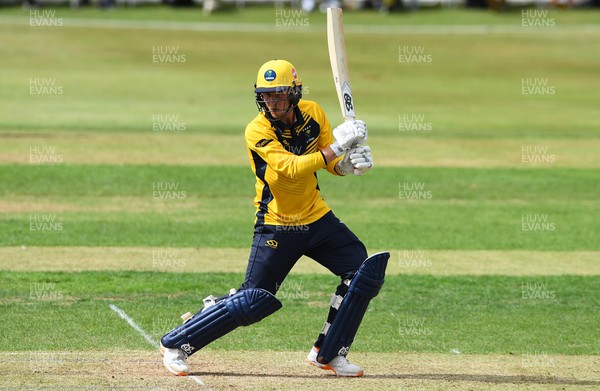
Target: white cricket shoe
x=339 y=365
x=175 y=360
x=312 y=358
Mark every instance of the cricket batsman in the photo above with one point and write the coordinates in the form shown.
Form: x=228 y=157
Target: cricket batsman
x=288 y=142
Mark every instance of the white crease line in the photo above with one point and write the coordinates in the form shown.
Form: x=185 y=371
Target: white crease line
x=123 y=315
x=147 y=337
x=197 y=380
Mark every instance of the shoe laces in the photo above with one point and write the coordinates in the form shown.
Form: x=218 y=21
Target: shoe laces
x=177 y=355
x=343 y=360
x=181 y=355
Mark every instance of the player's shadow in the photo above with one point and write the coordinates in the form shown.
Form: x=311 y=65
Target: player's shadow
x=452 y=377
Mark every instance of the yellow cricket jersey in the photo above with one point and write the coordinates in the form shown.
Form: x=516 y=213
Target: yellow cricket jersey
x=285 y=162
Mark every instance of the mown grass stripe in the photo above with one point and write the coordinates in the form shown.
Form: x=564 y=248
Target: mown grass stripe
x=211 y=260
x=490 y=104
x=510 y=184
x=485 y=314
x=412 y=208
x=435 y=226
x=229 y=149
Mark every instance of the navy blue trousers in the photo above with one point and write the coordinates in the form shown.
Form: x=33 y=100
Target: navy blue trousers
x=276 y=249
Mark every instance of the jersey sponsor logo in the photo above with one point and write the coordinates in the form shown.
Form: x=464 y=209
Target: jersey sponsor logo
x=270 y=75
x=271 y=243
x=263 y=142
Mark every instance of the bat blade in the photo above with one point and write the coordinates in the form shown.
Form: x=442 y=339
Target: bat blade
x=339 y=62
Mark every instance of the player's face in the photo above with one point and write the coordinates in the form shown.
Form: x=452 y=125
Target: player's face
x=277 y=103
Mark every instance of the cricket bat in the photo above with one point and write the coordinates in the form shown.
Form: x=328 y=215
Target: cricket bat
x=339 y=61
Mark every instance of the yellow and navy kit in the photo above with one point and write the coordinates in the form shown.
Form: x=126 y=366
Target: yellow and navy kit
x=285 y=162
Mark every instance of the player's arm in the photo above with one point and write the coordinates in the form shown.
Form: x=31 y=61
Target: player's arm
x=279 y=159
x=325 y=141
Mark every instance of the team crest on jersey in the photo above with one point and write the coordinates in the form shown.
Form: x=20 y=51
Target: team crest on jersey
x=270 y=75
x=305 y=130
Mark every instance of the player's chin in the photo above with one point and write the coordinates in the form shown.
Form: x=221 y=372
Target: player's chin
x=276 y=114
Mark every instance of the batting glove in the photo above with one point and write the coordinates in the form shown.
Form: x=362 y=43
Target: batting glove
x=357 y=161
x=361 y=127
x=364 y=162
x=347 y=134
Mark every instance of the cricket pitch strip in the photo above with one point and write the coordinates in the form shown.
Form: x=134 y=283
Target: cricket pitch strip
x=248 y=370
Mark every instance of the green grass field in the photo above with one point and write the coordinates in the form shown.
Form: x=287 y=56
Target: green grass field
x=491 y=215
